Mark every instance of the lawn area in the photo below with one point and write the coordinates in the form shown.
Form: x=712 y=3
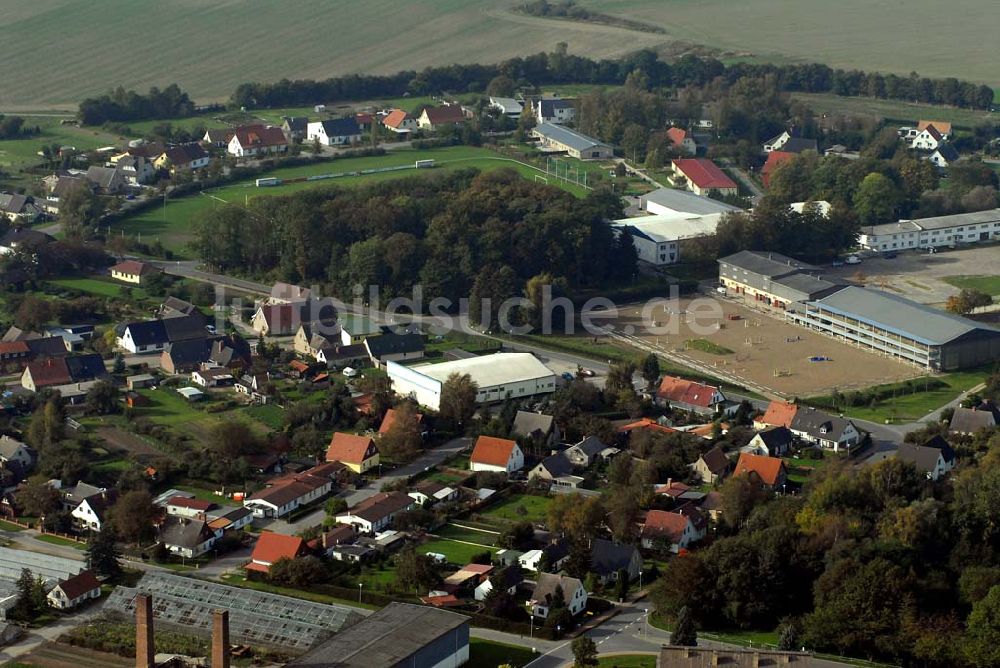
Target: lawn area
x=9 y=526
x=99 y=286
x=602 y=350
x=489 y=654
x=627 y=661
x=59 y=540
x=470 y=535
x=518 y=508
x=457 y=553
x=910 y=407
x=271 y=415
x=801 y=468
x=896 y=110
x=202 y=494
x=168 y=408
x=706 y=346
x=988 y=284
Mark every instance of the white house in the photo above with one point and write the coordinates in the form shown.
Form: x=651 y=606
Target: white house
x=507 y=106
x=669 y=529
x=500 y=455
x=287 y=494
x=377 y=512
x=334 y=131
x=574 y=594
x=934 y=458
x=89 y=514
x=556 y=111
x=17 y=453
x=186 y=537
x=73 y=591
x=927 y=139
x=251 y=140
x=776 y=143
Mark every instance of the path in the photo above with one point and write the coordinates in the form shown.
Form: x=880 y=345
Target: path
x=745 y=180
x=641 y=173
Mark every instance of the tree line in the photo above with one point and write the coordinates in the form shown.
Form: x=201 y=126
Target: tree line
x=443 y=232
x=13 y=127
x=121 y=105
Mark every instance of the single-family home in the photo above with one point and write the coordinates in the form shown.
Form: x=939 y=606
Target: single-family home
x=338 y=356
x=376 y=512
x=789 y=143
x=667 y=530
x=20 y=209
x=934 y=458
x=431 y=491
x=148 y=336
x=712 y=466
x=778 y=414
x=313 y=336
x=358 y=453
x=183 y=158
x=554 y=110
x=537 y=427
x=133 y=271
x=682 y=140
x=771 y=442
x=279 y=319
x=252 y=140
x=774 y=160
x=646 y=424
x=500 y=455
x=213 y=377
x=287 y=293
x=927 y=139
x=334 y=132
x=942 y=127
x=390 y=418
x=16 y=456
x=89 y=514
x=689 y=395
x=550 y=468
x=289 y=492
x=187 y=537
x=770 y=470
x=392 y=347
x=185 y=356
x=74 y=591
x=272 y=547
x=944 y=155
x=22 y=239
x=556 y=138
x=831 y=432
x=967 y=421
x=507 y=106
x=337 y=535
x=217 y=137
x=357 y=329
x=14 y=356
x=187 y=506
x=547 y=588
x=58 y=371
x=295 y=127
x=553 y=555
x=586 y=452
x=506 y=579
x=399 y=122
x=438 y=118
x=107 y=180
x=608 y=558
x=702 y=177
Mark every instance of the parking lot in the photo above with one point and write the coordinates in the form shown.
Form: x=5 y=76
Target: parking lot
x=918 y=275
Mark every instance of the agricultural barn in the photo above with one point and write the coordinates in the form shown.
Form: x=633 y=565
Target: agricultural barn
x=901 y=328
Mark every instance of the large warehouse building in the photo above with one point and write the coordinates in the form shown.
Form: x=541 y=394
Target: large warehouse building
x=937 y=232
x=772 y=279
x=498 y=376
x=901 y=328
x=397 y=636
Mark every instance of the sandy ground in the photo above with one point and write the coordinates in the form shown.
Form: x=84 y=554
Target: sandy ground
x=766 y=350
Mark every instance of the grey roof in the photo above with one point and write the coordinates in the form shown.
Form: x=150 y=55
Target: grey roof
x=766 y=263
x=819 y=424
x=798 y=144
x=23 y=235
x=81 y=491
x=549 y=107
x=936 y=223
x=606 y=556
x=547 y=583
x=802 y=287
x=527 y=424
x=923 y=457
x=47 y=345
x=390 y=637
x=9 y=446
x=948 y=152
x=566 y=137
x=13 y=202
x=341 y=127
x=921 y=323
x=185 y=533
x=394 y=344
x=103 y=177
x=776 y=436
x=557 y=465
x=590 y=446
x=687 y=202
x=969 y=420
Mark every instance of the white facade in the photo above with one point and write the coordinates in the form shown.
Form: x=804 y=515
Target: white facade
x=776 y=143
x=939 y=232
x=514 y=463
x=498 y=376
x=86 y=517
x=658 y=238
x=576 y=604
x=507 y=106
x=925 y=141
x=57 y=598
x=317 y=131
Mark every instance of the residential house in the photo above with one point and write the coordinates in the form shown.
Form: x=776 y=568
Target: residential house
x=778 y=414
x=608 y=558
x=646 y=424
x=554 y=555
x=689 y=395
x=16 y=457
x=187 y=537
x=14 y=355
x=554 y=110
x=712 y=466
x=107 y=180
x=54 y=372
x=185 y=356
x=22 y=239
x=187 y=506
x=231 y=351
x=218 y=137
x=183 y=158
x=390 y=418
x=399 y=122
x=496 y=454
x=19 y=209
x=438 y=118
x=507 y=579
x=149 y=336
x=770 y=470
x=771 y=442
x=358 y=453
x=391 y=347
x=682 y=140
x=507 y=106
x=789 y=143
x=364 y=120
x=294 y=127
x=90 y=513
x=253 y=385
x=253 y=140
x=944 y=155
x=74 y=591
x=967 y=421
x=290 y=492
x=427 y=492
x=831 y=432
x=556 y=138
x=376 y=512
x=280 y=319
x=927 y=139
x=330 y=539
x=467 y=578
x=586 y=452
x=337 y=356
x=552 y=467
x=702 y=177
x=334 y=132
x=537 y=427
x=133 y=271
x=667 y=530
x=311 y=337
x=357 y=329
x=213 y=377
x=942 y=127
x=774 y=160
x=271 y=548
x=934 y=458
x=547 y=587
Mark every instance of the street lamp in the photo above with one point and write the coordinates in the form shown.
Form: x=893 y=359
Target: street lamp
x=645 y=626
x=640 y=579
x=360 y=585
x=532 y=631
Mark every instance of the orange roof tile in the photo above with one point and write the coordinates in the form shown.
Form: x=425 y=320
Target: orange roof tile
x=395 y=118
x=661 y=523
x=646 y=423
x=493 y=451
x=677 y=136
x=768 y=468
x=686 y=391
x=779 y=414
x=348 y=448
x=703 y=173
x=390 y=419
x=271 y=547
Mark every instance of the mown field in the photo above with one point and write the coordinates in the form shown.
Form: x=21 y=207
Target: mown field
x=896 y=110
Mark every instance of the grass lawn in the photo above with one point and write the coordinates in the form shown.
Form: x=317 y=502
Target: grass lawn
x=518 y=508
x=988 y=284
x=469 y=535
x=457 y=553
x=897 y=110
x=59 y=540
x=270 y=415
x=9 y=526
x=489 y=654
x=99 y=286
x=706 y=346
x=602 y=350
x=202 y=494
x=167 y=407
x=627 y=661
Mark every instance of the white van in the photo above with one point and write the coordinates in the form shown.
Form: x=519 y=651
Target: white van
x=350 y=372
x=852 y=259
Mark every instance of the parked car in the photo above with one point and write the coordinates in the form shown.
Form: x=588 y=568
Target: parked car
x=852 y=259
x=350 y=372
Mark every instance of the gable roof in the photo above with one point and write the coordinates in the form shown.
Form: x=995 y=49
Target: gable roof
x=941 y=127
x=193 y=351
x=528 y=424
x=548 y=107
x=184 y=532
x=395 y=118
x=341 y=127
x=557 y=465
x=565 y=136
x=948 y=152
x=646 y=423
x=703 y=173
x=348 y=448
x=774 y=159
x=779 y=414
x=251 y=136
x=289 y=293
x=102 y=177
x=188 y=502
x=23 y=235
x=184 y=154
x=492 y=451
x=380 y=506
x=82 y=583
x=821 y=425
x=135 y=267
x=775 y=436
x=677 y=136
x=390 y=419
x=686 y=391
x=49 y=372
x=799 y=144
x=296 y=123
x=449 y=113
x=547 y=584
x=716 y=460
x=970 y=420
x=768 y=468
x=272 y=546
x=606 y=556
x=924 y=457
x=394 y=344
x=590 y=446
x=664 y=524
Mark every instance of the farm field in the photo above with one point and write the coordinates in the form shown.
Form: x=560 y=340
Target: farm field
x=824 y=103
x=172 y=224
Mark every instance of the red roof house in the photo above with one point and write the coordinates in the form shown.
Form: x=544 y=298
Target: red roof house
x=689 y=395
x=774 y=160
x=434 y=117
x=703 y=176
x=390 y=419
x=771 y=470
x=271 y=547
x=358 y=453
x=682 y=140
x=778 y=414
x=398 y=120
x=669 y=529
x=646 y=423
x=496 y=454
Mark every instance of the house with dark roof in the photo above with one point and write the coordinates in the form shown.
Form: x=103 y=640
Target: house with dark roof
x=712 y=466
x=183 y=158
x=934 y=458
x=187 y=537
x=22 y=238
x=282 y=319
x=554 y=110
x=53 y=372
x=506 y=579
x=437 y=118
x=927 y=139
x=536 y=427
x=607 y=558
x=550 y=468
x=20 y=209
x=338 y=356
x=334 y=131
x=376 y=512
x=548 y=587
x=289 y=492
x=967 y=421
x=294 y=127
x=689 y=395
x=90 y=513
x=74 y=591
x=107 y=180
x=184 y=357
x=391 y=347
x=358 y=453
x=771 y=442
x=788 y=142
x=830 y=432
x=586 y=452
x=149 y=336
x=944 y=155
x=217 y=137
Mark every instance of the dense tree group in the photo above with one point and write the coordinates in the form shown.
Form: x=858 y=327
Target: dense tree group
x=120 y=105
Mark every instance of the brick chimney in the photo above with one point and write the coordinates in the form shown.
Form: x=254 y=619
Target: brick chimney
x=220 y=639
x=323 y=539
x=144 y=646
